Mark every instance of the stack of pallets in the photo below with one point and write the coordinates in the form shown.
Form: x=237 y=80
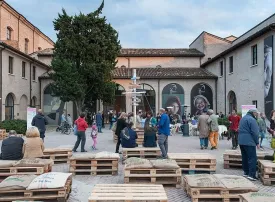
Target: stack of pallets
x=10 y=171
x=267 y=172
x=93 y=167
x=192 y=163
x=128 y=193
x=141 y=152
x=257 y=197
x=217 y=187
x=58 y=155
x=233 y=158
x=3 y=134
x=59 y=194
x=140 y=136
x=153 y=176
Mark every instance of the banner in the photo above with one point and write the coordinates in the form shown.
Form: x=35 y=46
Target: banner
x=268 y=75
x=201 y=99
x=31 y=112
x=173 y=98
x=246 y=108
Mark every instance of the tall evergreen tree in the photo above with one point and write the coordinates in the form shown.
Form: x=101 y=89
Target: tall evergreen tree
x=84 y=56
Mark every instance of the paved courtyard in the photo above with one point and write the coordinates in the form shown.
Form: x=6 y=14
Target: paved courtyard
x=83 y=185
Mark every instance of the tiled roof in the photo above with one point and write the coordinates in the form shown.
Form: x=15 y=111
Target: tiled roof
x=143 y=52
x=175 y=52
x=164 y=73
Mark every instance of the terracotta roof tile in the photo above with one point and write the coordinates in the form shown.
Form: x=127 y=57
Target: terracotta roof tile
x=164 y=73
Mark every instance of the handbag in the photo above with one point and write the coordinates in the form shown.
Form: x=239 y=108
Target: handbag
x=114 y=127
x=75 y=129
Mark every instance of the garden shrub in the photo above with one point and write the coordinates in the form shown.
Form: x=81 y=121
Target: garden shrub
x=20 y=126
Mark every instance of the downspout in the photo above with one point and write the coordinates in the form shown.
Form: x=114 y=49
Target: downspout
x=224 y=85
x=40 y=95
x=129 y=65
x=33 y=41
x=216 y=94
x=158 y=95
x=30 y=83
x=18 y=30
x=1 y=83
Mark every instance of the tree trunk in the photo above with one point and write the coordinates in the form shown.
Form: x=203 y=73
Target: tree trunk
x=79 y=106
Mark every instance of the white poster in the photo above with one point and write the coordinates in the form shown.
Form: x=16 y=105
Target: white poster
x=246 y=108
x=31 y=112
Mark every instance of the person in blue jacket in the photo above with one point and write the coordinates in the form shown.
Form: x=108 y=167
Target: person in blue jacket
x=128 y=137
x=163 y=132
x=248 y=141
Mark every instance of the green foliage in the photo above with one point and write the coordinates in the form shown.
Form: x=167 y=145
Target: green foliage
x=20 y=126
x=224 y=121
x=84 y=57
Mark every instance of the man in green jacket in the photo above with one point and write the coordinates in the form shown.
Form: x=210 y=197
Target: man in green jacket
x=214 y=129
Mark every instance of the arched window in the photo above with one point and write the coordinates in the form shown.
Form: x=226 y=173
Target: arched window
x=9 y=33
x=232 y=101
x=9 y=107
x=26 y=45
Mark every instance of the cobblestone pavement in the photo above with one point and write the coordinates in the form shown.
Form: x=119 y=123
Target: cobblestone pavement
x=83 y=185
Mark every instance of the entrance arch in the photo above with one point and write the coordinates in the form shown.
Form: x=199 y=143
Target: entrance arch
x=9 y=107
x=232 y=100
x=148 y=102
x=173 y=98
x=120 y=99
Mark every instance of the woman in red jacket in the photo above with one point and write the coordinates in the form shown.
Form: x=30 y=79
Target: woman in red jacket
x=81 y=136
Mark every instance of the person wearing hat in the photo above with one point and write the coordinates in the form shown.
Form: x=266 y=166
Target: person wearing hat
x=248 y=141
x=214 y=129
x=203 y=128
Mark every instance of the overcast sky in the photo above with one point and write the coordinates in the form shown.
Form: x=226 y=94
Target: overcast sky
x=156 y=23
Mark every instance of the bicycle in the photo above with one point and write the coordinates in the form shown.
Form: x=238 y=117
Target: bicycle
x=64 y=128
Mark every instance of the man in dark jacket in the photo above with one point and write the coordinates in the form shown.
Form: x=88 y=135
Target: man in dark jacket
x=12 y=147
x=98 y=119
x=248 y=140
x=128 y=137
x=40 y=122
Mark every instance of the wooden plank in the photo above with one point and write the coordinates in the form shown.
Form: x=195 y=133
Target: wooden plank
x=257 y=197
x=122 y=192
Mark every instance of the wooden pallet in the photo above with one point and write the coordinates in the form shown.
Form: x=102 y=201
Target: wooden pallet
x=267 y=172
x=153 y=176
x=94 y=166
x=218 y=187
x=257 y=197
x=140 y=136
x=9 y=171
x=194 y=161
x=60 y=194
x=128 y=193
x=141 y=152
x=233 y=158
x=58 y=155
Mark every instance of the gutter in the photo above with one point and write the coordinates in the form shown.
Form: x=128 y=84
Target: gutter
x=30 y=84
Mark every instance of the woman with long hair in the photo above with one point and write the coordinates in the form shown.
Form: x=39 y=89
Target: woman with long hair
x=120 y=125
x=150 y=131
x=33 y=146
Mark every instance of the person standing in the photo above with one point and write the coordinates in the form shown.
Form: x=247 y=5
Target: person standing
x=103 y=124
x=214 y=129
x=234 y=120
x=81 y=129
x=11 y=148
x=150 y=130
x=110 y=119
x=203 y=128
x=248 y=141
x=63 y=119
x=70 y=122
x=120 y=125
x=262 y=128
x=98 y=118
x=163 y=132
x=40 y=122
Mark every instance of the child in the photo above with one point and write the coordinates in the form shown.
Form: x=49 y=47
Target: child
x=94 y=136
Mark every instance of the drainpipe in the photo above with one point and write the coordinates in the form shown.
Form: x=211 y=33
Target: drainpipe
x=158 y=95
x=224 y=85
x=1 y=83
x=30 y=83
x=216 y=94
x=40 y=95
x=128 y=62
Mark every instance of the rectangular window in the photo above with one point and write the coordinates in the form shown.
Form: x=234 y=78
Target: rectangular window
x=10 y=65
x=231 y=64
x=221 y=68
x=254 y=55
x=33 y=73
x=23 y=70
x=254 y=102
